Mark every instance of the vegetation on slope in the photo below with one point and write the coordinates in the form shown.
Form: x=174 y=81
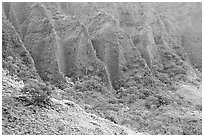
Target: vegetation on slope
x=118 y=83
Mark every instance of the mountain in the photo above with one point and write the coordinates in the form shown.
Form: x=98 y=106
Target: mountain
x=135 y=66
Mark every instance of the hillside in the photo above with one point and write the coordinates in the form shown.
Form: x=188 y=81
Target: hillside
x=101 y=68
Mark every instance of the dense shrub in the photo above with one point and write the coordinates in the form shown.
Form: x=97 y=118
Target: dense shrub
x=35 y=93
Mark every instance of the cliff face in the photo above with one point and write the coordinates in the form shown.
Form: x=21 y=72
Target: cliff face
x=66 y=42
x=186 y=19
x=15 y=56
x=142 y=51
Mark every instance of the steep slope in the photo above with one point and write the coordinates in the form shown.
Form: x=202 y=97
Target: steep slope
x=21 y=86
x=186 y=19
x=62 y=118
x=42 y=42
x=137 y=65
x=152 y=33
x=115 y=48
x=15 y=56
x=157 y=40
x=78 y=54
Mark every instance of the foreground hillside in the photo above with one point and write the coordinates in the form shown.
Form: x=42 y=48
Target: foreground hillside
x=101 y=68
x=62 y=117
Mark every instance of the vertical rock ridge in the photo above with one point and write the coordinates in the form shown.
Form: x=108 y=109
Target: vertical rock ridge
x=42 y=42
x=78 y=55
x=113 y=37
x=12 y=46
